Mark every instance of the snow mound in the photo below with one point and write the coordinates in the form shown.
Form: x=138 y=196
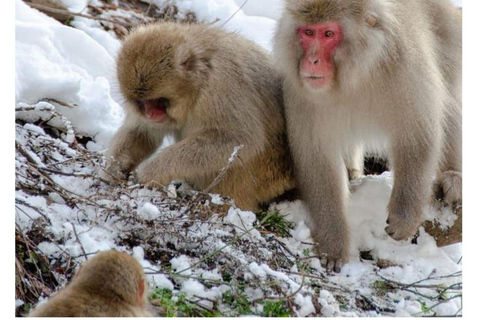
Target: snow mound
x=54 y=61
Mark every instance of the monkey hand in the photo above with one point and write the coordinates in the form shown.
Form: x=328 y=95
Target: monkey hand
x=448 y=187
x=115 y=171
x=403 y=222
x=150 y=173
x=333 y=255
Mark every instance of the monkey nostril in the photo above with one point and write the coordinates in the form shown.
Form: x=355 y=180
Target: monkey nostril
x=140 y=91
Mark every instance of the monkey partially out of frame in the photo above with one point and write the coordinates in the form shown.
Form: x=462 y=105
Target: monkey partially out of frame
x=111 y=284
x=211 y=91
x=371 y=75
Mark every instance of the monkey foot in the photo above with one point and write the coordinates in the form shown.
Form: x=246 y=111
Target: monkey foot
x=354 y=174
x=148 y=173
x=401 y=227
x=112 y=175
x=332 y=264
x=448 y=187
x=332 y=258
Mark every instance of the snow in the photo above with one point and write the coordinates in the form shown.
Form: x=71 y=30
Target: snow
x=75 y=5
x=181 y=265
x=193 y=288
x=217 y=199
x=149 y=211
x=19 y=303
x=59 y=62
x=242 y=220
x=306 y=305
x=226 y=14
x=76 y=66
x=262 y=8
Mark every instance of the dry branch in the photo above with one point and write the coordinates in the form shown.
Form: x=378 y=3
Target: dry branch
x=67 y=14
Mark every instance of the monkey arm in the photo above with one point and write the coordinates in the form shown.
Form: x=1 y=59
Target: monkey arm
x=415 y=155
x=129 y=146
x=200 y=155
x=323 y=185
x=321 y=177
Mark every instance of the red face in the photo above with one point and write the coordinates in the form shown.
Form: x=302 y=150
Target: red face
x=319 y=42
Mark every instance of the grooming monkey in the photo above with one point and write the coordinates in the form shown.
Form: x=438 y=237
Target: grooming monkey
x=373 y=75
x=111 y=284
x=211 y=90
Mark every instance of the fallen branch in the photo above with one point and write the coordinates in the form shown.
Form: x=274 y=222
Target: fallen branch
x=69 y=13
x=446 y=237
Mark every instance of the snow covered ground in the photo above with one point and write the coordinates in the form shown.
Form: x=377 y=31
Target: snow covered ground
x=71 y=70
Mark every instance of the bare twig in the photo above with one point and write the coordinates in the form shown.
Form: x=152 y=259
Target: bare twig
x=66 y=12
x=79 y=242
x=288 y=297
x=224 y=170
x=234 y=14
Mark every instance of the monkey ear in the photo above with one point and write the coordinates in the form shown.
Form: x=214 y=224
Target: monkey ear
x=193 y=60
x=189 y=63
x=141 y=291
x=371 y=21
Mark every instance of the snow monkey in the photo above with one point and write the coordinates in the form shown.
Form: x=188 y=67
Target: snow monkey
x=212 y=91
x=373 y=75
x=111 y=284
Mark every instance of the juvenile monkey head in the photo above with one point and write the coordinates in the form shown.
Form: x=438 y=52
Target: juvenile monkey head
x=333 y=42
x=113 y=275
x=161 y=71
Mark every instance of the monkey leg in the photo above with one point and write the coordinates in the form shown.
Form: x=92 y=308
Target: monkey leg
x=448 y=185
x=354 y=162
x=323 y=185
x=414 y=165
x=190 y=160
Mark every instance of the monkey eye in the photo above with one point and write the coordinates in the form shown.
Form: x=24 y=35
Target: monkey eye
x=329 y=34
x=309 y=32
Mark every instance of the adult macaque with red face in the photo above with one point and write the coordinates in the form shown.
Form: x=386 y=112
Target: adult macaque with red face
x=384 y=75
x=319 y=42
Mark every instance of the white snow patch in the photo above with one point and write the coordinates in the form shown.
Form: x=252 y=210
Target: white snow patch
x=217 y=199
x=75 y=5
x=149 y=211
x=181 y=263
x=242 y=220
x=56 y=61
x=193 y=288
x=306 y=305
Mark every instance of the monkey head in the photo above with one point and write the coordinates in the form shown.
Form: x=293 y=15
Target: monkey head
x=159 y=74
x=334 y=43
x=113 y=273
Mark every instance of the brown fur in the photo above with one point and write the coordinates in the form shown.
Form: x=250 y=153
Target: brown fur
x=111 y=284
x=223 y=92
x=396 y=90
